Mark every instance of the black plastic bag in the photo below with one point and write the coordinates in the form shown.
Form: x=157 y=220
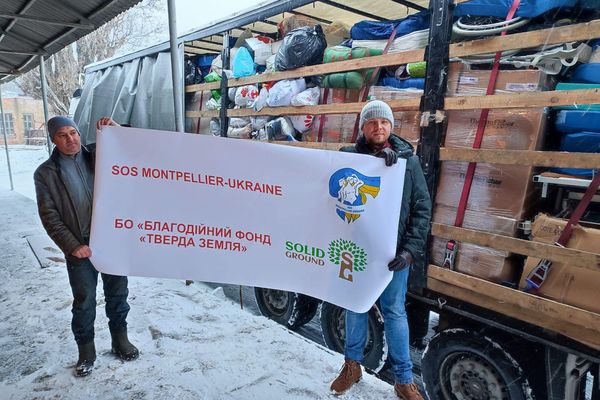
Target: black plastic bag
x=301 y=46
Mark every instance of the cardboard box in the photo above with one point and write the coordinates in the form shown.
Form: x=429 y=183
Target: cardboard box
x=482 y=262
x=463 y=81
x=566 y=284
x=336 y=127
x=446 y=215
x=501 y=190
x=505 y=129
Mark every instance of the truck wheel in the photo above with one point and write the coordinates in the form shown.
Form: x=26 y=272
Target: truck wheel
x=461 y=364
x=333 y=325
x=286 y=308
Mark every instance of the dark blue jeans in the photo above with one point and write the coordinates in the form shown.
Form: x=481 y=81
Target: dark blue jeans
x=395 y=324
x=83 y=279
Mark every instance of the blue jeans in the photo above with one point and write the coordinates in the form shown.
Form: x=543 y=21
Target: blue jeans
x=83 y=278
x=396 y=329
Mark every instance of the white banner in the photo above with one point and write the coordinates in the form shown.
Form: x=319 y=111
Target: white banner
x=317 y=222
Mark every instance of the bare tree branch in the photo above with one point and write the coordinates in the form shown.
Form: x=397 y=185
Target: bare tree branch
x=130 y=29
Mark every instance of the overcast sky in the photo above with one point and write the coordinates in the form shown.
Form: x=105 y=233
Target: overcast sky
x=192 y=14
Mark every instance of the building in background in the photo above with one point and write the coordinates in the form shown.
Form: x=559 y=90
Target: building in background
x=23 y=116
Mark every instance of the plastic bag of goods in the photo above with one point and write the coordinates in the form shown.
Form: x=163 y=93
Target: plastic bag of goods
x=281 y=94
x=308 y=97
x=261 y=100
x=293 y=22
x=243 y=64
x=302 y=123
x=344 y=80
x=215 y=127
x=213 y=104
x=246 y=95
x=341 y=53
x=214 y=77
x=239 y=122
x=240 y=133
x=300 y=47
x=258 y=122
x=280 y=129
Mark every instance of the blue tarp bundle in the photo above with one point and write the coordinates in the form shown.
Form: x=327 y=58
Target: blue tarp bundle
x=379 y=30
x=500 y=8
x=416 y=83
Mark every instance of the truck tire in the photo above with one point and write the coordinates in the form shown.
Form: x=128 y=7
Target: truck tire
x=461 y=364
x=286 y=308
x=333 y=323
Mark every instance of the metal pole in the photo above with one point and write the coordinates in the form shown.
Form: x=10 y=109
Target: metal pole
x=176 y=72
x=224 y=86
x=12 y=186
x=45 y=101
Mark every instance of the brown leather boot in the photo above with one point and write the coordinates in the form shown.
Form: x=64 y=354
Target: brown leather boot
x=408 y=391
x=350 y=374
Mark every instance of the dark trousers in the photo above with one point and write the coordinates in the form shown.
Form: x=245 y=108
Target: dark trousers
x=83 y=279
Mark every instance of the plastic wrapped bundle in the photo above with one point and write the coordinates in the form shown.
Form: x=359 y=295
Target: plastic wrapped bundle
x=300 y=47
x=382 y=30
x=245 y=96
x=243 y=64
x=281 y=94
x=280 y=129
x=240 y=133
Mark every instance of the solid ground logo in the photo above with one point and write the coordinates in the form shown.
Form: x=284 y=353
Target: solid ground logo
x=351 y=188
x=305 y=253
x=348 y=256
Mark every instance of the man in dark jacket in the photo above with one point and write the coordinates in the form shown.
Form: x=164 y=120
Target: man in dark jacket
x=376 y=123
x=64 y=188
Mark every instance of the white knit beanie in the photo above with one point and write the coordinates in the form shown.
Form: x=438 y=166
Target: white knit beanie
x=376 y=109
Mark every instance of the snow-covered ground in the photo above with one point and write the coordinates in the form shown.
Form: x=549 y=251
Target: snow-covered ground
x=194 y=342
x=23 y=162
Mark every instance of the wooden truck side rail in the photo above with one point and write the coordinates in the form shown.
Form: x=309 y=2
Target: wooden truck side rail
x=578 y=324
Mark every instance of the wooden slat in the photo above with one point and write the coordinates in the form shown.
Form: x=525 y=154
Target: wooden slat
x=524 y=100
x=523 y=157
x=337 y=108
x=573 y=32
x=571 y=257
x=315 y=145
x=202 y=114
x=195 y=50
x=563 y=34
x=340 y=66
x=202 y=86
x=581 y=325
x=498 y=101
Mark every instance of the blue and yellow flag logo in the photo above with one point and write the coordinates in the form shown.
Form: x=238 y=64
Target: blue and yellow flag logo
x=351 y=188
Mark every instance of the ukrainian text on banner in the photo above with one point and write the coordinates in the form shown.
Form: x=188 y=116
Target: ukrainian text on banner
x=317 y=222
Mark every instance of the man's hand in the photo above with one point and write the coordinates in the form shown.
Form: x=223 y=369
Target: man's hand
x=105 y=121
x=390 y=156
x=82 y=251
x=400 y=262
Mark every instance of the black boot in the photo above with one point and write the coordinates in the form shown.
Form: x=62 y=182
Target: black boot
x=122 y=347
x=87 y=356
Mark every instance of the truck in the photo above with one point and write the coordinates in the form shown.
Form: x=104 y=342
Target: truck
x=493 y=339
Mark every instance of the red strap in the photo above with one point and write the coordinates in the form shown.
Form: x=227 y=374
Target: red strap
x=200 y=109
x=579 y=210
x=464 y=196
x=365 y=90
x=322 y=116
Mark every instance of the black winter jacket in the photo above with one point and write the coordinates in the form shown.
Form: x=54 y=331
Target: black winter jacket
x=415 y=214
x=55 y=205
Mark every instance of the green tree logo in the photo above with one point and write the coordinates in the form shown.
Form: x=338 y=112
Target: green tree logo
x=348 y=256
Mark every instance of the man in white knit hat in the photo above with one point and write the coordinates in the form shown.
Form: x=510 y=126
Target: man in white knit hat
x=376 y=123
